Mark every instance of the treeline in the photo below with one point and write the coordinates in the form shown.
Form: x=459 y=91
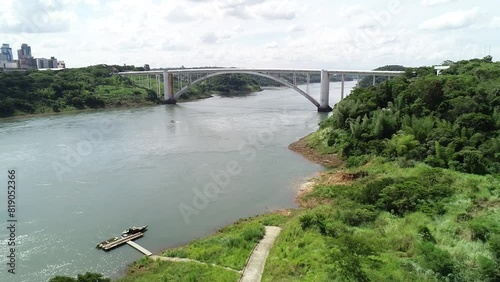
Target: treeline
x=33 y=92
x=368 y=81
x=449 y=121
x=230 y=84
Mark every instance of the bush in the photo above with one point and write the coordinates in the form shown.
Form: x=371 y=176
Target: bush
x=469 y=161
x=356 y=161
x=413 y=194
x=356 y=216
x=440 y=261
x=253 y=233
x=426 y=234
x=484 y=227
x=370 y=194
x=489 y=269
x=494 y=245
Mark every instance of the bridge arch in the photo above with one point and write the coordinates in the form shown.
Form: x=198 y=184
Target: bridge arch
x=282 y=81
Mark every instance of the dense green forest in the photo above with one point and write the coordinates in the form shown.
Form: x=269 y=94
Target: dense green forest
x=449 y=121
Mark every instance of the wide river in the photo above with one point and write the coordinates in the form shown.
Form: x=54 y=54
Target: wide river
x=184 y=170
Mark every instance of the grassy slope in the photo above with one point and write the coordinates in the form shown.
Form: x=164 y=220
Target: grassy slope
x=342 y=238
x=346 y=239
x=229 y=247
x=147 y=270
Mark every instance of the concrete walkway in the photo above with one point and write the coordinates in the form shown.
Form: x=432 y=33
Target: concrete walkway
x=192 y=260
x=139 y=248
x=255 y=265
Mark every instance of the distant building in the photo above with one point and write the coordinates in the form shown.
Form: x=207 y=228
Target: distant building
x=52 y=63
x=26 y=60
x=6 y=65
x=6 y=53
x=25 y=51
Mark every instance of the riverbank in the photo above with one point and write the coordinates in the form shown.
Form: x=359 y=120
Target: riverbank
x=353 y=224
x=230 y=247
x=75 y=111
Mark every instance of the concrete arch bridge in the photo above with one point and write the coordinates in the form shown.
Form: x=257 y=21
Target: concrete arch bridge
x=286 y=77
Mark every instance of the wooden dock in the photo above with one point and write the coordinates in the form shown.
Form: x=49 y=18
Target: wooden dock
x=122 y=241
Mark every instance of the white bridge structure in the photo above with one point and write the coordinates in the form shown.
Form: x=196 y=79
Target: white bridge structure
x=288 y=77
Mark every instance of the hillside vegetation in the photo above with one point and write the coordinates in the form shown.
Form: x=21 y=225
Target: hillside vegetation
x=449 y=121
x=36 y=92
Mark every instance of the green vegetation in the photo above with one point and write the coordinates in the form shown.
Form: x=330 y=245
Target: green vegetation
x=450 y=121
x=35 y=92
x=146 y=270
x=229 y=247
x=393 y=224
x=87 y=277
x=368 y=81
x=225 y=85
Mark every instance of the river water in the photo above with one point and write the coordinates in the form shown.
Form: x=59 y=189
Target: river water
x=184 y=170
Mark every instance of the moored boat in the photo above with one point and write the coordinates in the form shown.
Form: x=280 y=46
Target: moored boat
x=133 y=230
x=103 y=243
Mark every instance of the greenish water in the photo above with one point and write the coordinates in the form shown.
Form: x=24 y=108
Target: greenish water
x=184 y=170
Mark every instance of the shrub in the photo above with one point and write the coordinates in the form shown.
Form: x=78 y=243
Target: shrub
x=469 y=161
x=494 y=245
x=253 y=233
x=356 y=216
x=489 y=269
x=370 y=194
x=484 y=227
x=356 y=161
x=440 y=261
x=426 y=234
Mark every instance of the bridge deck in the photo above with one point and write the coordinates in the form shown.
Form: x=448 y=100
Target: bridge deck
x=236 y=70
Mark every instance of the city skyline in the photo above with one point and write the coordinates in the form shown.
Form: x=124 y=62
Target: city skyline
x=254 y=33
x=25 y=59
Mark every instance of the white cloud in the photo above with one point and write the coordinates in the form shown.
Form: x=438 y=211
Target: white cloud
x=495 y=22
x=44 y=16
x=271 y=45
x=430 y=3
x=295 y=28
x=452 y=20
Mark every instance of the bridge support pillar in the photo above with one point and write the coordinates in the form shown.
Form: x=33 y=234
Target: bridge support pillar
x=168 y=88
x=324 y=99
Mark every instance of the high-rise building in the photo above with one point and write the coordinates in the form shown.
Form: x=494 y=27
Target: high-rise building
x=26 y=60
x=6 y=53
x=25 y=51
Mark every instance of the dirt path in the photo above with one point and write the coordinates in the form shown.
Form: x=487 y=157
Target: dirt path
x=255 y=266
x=191 y=260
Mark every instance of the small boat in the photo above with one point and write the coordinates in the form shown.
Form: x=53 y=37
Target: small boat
x=133 y=230
x=103 y=243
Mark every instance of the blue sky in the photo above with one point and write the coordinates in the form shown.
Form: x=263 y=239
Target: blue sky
x=254 y=33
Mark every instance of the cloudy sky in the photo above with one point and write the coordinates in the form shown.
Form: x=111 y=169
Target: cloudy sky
x=328 y=34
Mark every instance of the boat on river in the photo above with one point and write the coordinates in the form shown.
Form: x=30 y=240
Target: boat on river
x=104 y=243
x=134 y=230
